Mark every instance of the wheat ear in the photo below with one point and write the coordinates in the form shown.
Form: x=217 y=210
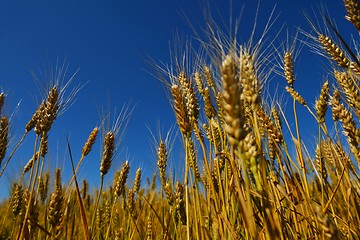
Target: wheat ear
x=233 y=105
x=353 y=10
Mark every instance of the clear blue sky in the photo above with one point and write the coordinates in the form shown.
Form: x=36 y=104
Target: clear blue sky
x=110 y=42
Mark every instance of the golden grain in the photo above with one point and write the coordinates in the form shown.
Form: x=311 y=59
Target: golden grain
x=169 y=193
x=353 y=10
x=289 y=69
x=320 y=163
x=336 y=53
x=56 y=204
x=180 y=212
x=4 y=137
x=294 y=94
x=199 y=83
x=208 y=76
x=2 y=100
x=233 y=106
x=90 y=142
x=321 y=104
x=44 y=186
x=149 y=227
x=349 y=89
x=209 y=108
x=108 y=152
x=181 y=112
x=137 y=181
x=17 y=199
x=249 y=82
x=193 y=159
x=121 y=179
x=162 y=161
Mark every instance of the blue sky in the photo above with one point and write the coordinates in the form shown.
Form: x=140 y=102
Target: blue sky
x=111 y=42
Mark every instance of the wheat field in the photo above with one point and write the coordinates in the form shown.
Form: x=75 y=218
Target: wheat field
x=243 y=177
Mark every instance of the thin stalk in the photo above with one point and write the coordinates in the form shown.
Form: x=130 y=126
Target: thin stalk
x=75 y=173
x=320 y=175
x=334 y=192
x=212 y=187
x=82 y=212
x=187 y=189
x=12 y=153
x=246 y=214
x=114 y=200
x=22 y=226
x=96 y=206
x=299 y=151
x=40 y=175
